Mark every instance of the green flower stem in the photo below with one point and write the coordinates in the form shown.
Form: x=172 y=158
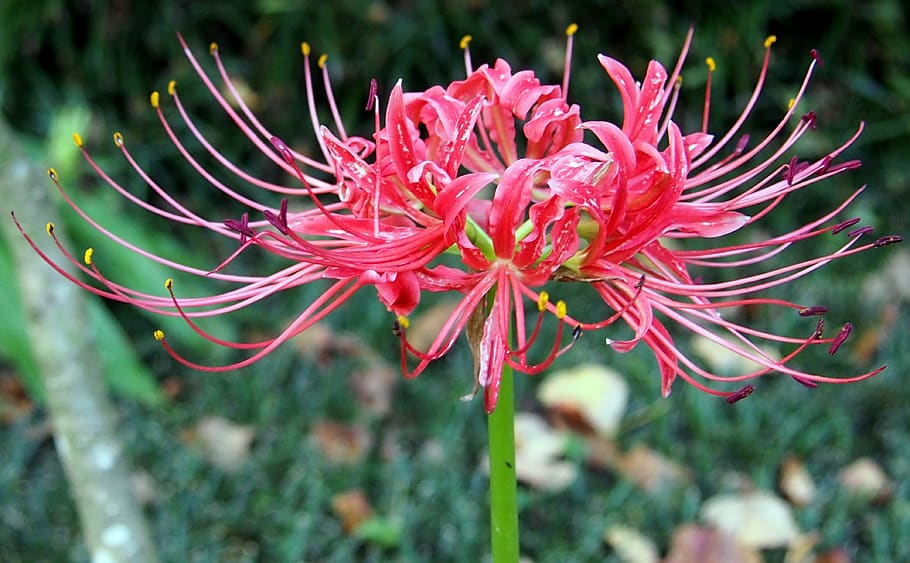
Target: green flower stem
x=503 y=488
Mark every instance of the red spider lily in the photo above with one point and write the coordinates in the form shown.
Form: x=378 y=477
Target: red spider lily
x=494 y=170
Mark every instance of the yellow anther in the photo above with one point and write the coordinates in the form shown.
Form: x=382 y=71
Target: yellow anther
x=87 y=256
x=118 y=139
x=77 y=138
x=570 y=31
x=463 y=44
x=679 y=81
x=154 y=99
x=771 y=39
x=321 y=62
x=542 y=301
x=159 y=335
x=404 y=322
x=52 y=174
x=790 y=103
x=49 y=228
x=712 y=66
x=305 y=48
x=560 y=309
x=168 y=284
x=213 y=48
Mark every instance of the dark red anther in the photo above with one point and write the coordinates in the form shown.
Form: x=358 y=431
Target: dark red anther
x=576 y=333
x=819 y=329
x=826 y=162
x=279 y=220
x=818 y=58
x=283 y=150
x=812 y=311
x=840 y=338
x=737 y=396
x=845 y=225
x=804 y=382
x=396 y=328
x=641 y=282
x=810 y=119
x=242 y=226
x=849 y=165
x=794 y=168
x=860 y=231
x=371 y=99
x=888 y=239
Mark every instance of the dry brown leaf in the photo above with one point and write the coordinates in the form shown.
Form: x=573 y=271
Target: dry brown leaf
x=695 y=544
x=341 y=443
x=867 y=344
x=587 y=397
x=314 y=341
x=630 y=545
x=602 y=452
x=756 y=519
x=866 y=478
x=833 y=556
x=352 y=508
x=373 y=387
x=427 y=323
x=225 y=444
x=796 y=482
x=14 y=401
x=320 y=343
x=650 y=470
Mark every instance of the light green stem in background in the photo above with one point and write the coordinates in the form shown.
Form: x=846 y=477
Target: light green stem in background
x=503 y=488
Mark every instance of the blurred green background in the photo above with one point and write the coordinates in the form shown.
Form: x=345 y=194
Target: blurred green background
x=89 y=66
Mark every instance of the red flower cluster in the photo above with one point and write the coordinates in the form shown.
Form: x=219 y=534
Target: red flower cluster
x=490 y=189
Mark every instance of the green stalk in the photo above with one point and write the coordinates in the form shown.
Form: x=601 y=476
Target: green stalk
x=503 y=488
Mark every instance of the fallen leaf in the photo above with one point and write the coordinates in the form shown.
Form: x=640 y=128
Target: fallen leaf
x=588 y=398
x=630 y=545
x=373 y=387
x=890 y=284
x=538 y=449
x=696 y=544
x=225 y=444
x=321 y=343
x=245 y=92
x=428 y=322
x=796 y=483
x=602 y=452
x=800 y=550
x=867 y=344
x=649 y=469
x=756 y=519
x=341 y=443
x=723 y=360
x=14 y=401
x=864 y=477
x=838 y=555
x=352 y=508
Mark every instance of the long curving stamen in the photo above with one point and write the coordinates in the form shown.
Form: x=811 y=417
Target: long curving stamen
x=570 y=43
x=712 y=66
